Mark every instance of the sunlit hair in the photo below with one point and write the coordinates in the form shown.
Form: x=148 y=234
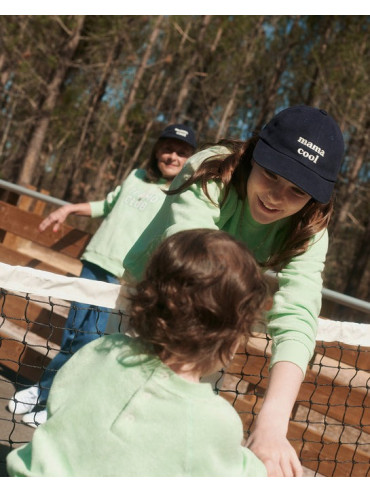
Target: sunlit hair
x=201 y=294
x=233 y=170
x=153 y=175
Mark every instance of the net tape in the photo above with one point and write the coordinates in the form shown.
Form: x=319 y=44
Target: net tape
x=330 y=424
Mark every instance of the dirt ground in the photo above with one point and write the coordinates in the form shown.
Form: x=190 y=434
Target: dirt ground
x=12 y=430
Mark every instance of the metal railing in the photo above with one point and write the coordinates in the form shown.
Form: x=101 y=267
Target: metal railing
x=327 y=294
x=31 y=193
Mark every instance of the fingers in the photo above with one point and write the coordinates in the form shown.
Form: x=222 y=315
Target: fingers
x=296 y=467
x=278 y=456
x=48 y=221
x=57 y=218
x=286 y=466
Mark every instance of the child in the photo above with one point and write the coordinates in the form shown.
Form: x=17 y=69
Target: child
x=138 y=408
x=127 y=212
x=273 y=193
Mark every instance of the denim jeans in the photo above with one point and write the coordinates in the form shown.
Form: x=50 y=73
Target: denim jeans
x=85 y=323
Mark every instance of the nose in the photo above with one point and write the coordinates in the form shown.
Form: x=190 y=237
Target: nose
x=173 y=156
x=275 y=195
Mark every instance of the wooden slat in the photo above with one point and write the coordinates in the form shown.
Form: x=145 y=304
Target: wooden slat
x=25 y=203
x=33 y=317
x=13 y=257
x=67 y=240
x=346 y=354
x=22 y=359
x=326 y=391
x=317 y=451
x=25 y=352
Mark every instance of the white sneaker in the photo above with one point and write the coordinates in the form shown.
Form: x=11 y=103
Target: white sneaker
x=25 y=400
x=35 y=419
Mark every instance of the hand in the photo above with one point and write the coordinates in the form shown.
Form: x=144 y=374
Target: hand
x=275 y=451
x=60 y=215
x=57 y=218
x=268 y=438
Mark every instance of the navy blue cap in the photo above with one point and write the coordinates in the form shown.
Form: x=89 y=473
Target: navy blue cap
x=304 y=145
x=180 y=132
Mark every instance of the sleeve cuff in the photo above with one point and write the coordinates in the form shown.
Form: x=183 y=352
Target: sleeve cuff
x=292 y=351
x=97 y=208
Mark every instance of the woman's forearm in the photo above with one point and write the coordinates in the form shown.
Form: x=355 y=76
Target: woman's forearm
x=268 y=438
x=281 y=394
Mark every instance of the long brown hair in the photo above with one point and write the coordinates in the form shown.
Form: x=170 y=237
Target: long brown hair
x=153 y=175
x=233 y=170
x=201 y=294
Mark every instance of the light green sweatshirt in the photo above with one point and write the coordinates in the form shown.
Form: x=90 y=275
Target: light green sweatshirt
x=130 y=415
x=127 y=211
x=292 y=322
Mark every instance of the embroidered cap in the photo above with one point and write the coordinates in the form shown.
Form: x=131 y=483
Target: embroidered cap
x=179 y=132
x=305 y=146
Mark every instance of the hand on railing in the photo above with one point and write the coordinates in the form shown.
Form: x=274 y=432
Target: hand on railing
x=58 y=217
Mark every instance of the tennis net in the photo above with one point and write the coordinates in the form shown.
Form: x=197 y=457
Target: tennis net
x=330 y=423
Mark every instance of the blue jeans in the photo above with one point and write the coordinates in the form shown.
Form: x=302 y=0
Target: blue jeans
x=85 y=323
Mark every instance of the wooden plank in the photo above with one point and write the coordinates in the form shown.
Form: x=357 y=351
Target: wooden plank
x=317 y=451
x=24 y=352
x=25 y=203
x=71 y=266
x=14 y=257
x=67 y=240
x=328 y=458
x=340 y=393
x=33 y=317
x=351 y=355
x=22 y=359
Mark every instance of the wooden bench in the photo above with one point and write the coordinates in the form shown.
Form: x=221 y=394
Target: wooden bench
x=27 y=346
x=330 y=424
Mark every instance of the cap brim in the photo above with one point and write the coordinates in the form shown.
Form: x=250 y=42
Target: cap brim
x=305 y=178
x=181 y=139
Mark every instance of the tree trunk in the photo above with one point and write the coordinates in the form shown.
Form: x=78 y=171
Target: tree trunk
x=359 y=267
x=138 y=77
x=178 y=113
x=73 y=189
x=230 y=107
x=131 y=97
x=147 y=129
x=269 y=99
x=52 y=93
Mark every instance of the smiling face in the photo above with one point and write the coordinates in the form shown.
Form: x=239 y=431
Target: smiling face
x=171 y=155
x=272 y=197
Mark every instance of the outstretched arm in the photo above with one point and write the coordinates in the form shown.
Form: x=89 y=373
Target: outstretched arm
x=60 y=215
x=268 y=439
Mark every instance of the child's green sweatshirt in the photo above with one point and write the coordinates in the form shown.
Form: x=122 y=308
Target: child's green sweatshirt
x=128 y=414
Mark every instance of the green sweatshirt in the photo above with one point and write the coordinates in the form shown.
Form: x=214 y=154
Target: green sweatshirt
x=127 y=211
x=130 y=415
x=292 y=322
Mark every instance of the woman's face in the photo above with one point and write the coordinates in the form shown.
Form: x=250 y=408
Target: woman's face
x=171 y=156
x=272 y=197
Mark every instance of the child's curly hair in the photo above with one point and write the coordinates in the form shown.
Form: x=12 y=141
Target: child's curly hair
x=201 y=293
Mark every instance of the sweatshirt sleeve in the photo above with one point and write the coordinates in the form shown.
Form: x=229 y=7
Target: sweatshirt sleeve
x=188 y=210
x=292 y=321
x=101 y=208
x=192 y=208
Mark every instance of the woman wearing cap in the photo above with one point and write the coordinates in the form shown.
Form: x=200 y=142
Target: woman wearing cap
x=127 y=211
x=272 y=192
